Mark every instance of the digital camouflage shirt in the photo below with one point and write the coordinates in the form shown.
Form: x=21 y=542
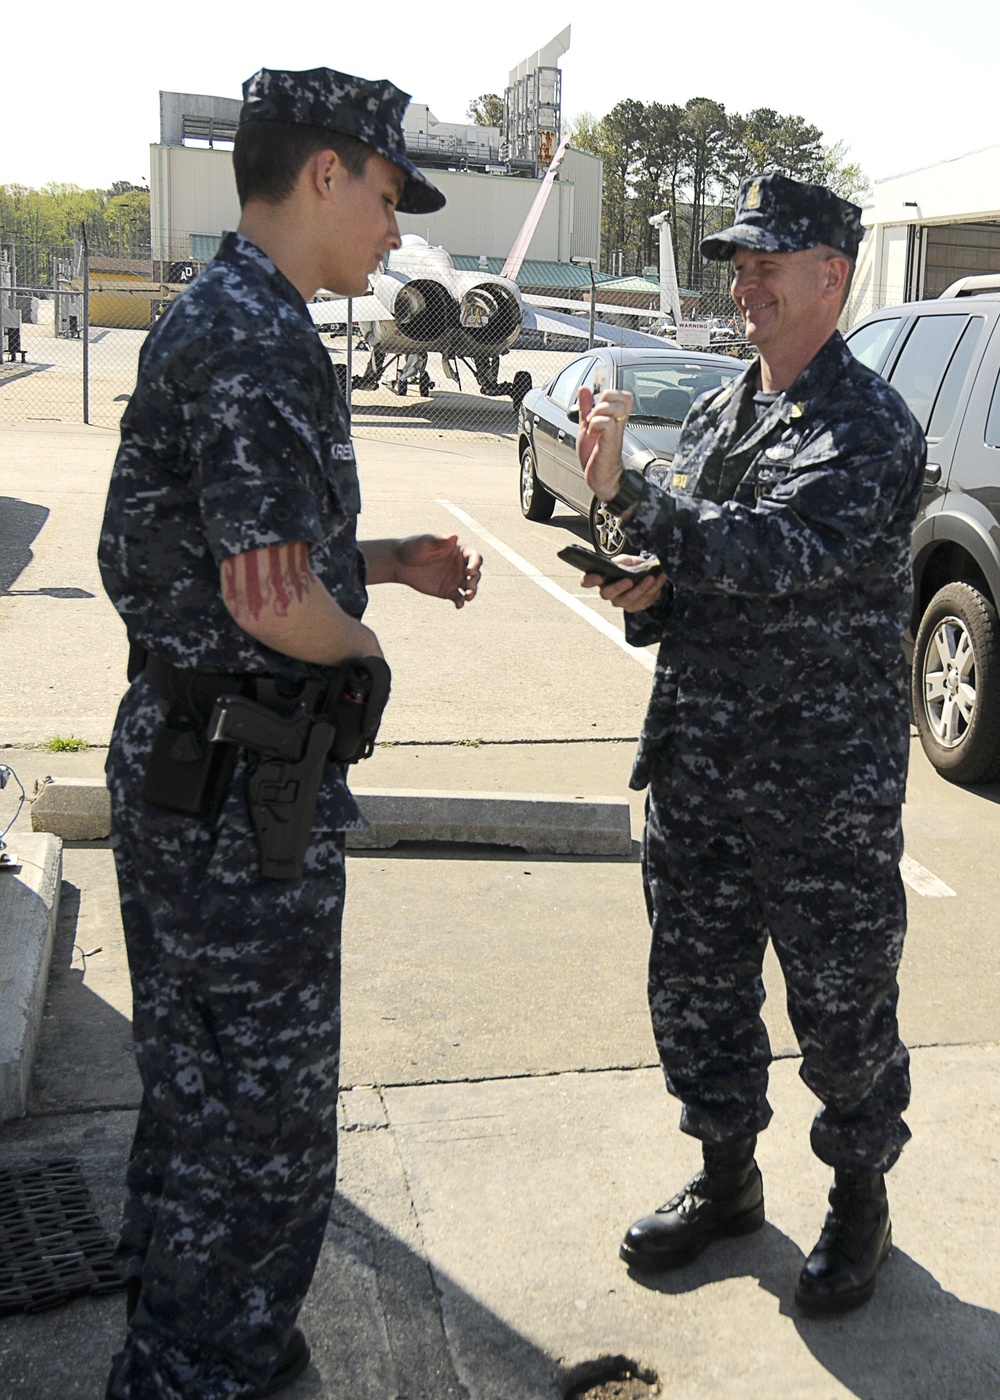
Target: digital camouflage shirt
x=781 y=680
x=236 y=437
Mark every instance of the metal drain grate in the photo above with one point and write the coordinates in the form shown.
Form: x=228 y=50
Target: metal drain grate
x=52 y=1245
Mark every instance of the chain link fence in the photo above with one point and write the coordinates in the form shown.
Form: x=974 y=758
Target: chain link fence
x=440 y=362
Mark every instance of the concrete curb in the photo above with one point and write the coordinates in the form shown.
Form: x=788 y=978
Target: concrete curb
x=29 y=907
x=537 y=823
x=77 y=809
x=540 y=824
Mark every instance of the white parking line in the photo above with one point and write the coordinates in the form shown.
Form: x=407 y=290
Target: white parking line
x=923 y=882
x=606 y=628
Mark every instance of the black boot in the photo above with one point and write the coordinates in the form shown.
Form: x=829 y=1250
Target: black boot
x=726 y=1198
x=291 y=1364
x=857 y=1236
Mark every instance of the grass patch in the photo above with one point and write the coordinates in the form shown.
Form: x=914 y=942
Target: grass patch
x=68 y=743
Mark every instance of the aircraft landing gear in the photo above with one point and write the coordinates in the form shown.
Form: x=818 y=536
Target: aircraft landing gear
x=372 y=374
x=486 y=371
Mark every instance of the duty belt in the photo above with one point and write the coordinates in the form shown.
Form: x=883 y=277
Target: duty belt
x=289 y=727
x=198 y=691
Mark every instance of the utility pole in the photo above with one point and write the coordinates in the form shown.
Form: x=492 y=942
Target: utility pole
x=590 y=264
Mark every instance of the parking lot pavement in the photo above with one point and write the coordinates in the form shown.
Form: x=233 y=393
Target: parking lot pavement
x=502 y=1116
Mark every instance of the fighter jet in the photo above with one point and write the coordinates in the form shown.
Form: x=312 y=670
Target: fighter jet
x=419 y=303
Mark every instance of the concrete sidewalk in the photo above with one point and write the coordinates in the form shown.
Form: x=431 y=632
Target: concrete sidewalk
x=502 y=1122
x=503 y=1118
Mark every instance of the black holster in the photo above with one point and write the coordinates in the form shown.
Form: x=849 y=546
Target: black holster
x=289 y=737
x=187 y=773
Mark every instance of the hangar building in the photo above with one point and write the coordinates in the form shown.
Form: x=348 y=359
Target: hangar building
x=927 y=228
x=193 y=192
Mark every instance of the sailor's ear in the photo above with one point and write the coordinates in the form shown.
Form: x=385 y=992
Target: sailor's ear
x=837 y=270
x=322 y=170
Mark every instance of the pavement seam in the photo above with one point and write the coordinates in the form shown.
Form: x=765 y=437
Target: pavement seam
x=424 y=1250
x=776 y=1057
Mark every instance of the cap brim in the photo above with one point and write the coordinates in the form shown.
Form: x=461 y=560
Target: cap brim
x=720 y=247
x=419 y=195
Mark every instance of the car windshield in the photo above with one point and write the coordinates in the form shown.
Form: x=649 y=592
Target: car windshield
x=664 y=391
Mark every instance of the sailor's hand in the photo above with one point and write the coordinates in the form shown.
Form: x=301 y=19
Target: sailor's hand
x=622 y=593
x=599 y=444
x=440 y=566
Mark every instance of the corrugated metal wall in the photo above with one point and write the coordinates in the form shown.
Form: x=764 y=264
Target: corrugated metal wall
x=192 y=191
x=959 y=250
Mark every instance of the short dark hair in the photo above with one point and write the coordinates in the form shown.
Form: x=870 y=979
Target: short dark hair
x=268 y=157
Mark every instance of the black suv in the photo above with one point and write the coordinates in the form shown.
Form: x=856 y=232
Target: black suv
x=944 y=358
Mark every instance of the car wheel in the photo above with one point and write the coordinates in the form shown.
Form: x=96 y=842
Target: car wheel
x=536 y=502
x=606 y=531
x=956 y=674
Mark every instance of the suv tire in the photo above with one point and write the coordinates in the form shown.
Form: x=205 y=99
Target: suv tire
x=956 y=684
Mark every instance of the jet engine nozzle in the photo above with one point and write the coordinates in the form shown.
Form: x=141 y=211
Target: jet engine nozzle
x=490 y=314
x=424 y=310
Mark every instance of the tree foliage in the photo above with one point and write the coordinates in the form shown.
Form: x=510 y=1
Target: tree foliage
x=42 y=224
x=486 y=110
x=689 y=161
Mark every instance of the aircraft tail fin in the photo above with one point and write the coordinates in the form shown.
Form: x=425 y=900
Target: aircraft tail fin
x=522 y=242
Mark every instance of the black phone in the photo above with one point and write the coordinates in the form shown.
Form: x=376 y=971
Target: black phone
x=591 y=563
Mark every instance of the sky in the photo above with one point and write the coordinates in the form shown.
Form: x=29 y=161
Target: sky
x=903 y=85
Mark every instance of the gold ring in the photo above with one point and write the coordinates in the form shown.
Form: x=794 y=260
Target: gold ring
x=621 y=418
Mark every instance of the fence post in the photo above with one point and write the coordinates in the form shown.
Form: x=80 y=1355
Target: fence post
x=86 y=325
x=350 y=355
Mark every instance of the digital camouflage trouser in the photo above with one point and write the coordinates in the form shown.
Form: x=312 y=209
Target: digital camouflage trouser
x=825 y=887
x=236 y=1020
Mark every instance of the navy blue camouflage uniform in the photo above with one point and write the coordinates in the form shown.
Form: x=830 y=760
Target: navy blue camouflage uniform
x=775 y=749
x=237 y=438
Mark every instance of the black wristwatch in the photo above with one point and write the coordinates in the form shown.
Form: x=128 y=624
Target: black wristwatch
x=630 y=487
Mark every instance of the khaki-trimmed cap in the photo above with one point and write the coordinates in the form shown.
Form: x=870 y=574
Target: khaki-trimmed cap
x=370 y=111
x=775 y=214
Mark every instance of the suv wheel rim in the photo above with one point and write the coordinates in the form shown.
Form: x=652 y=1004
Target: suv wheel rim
x=950 y=682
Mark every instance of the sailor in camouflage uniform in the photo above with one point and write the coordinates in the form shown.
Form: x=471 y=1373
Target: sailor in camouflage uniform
x=229 y=549
x=776 y=741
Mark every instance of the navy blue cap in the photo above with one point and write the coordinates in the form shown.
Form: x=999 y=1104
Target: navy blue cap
x=370 y=111
x=775 y=214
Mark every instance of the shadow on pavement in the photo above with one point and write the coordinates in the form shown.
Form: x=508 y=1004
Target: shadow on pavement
x=85 y=1059
x=373 y=1316
x=68 y=593
x=913 y=1341
x=20 y=524
x=447 y=411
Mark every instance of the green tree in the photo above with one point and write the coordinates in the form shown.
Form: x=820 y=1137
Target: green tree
x=486 y=110
x=689 y=161
x=42 y=225
x=704 y=133
x=845 y=177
